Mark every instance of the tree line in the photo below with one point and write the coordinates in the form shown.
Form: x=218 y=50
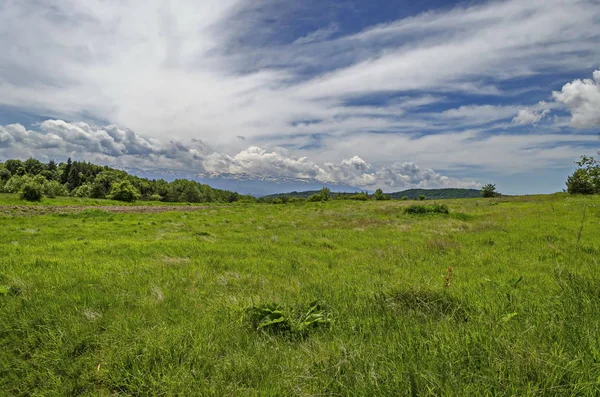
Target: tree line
x=33 y=179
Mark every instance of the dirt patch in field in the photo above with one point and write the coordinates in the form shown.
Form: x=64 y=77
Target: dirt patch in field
x=26 y=210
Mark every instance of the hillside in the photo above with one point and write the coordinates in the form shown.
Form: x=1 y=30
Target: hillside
x=437 y=194
x=412 y=194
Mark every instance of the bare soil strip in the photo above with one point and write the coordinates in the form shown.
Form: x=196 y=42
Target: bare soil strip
x=68 y=209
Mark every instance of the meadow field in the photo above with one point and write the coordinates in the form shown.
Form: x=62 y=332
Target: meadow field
x=500 y=297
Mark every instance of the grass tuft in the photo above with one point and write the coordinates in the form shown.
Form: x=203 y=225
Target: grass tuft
x=418 y=209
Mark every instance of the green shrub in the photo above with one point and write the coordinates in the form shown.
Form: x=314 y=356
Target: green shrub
x=16 y=182
x=379 y=195
x=422 y=197
x=156 y=197
x=580 y=183
x=4 y=174
x=427 y=209
x=53 y=189
x=314 y=198
x=83 y=191
x=124 y=191
x=359 y=197
x=323 y=195
x=404 y=198
x=31 y=192
x=191 y=194
x=586 y=179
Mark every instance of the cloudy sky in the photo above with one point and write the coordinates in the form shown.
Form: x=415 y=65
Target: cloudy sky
x=378 y=93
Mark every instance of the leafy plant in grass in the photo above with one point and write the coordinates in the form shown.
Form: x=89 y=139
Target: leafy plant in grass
x=418 y=209
x=31 y=192
x=9 y=290
x=290 y=321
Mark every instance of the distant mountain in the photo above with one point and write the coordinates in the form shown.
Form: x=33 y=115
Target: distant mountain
x=412 y=194
x=254 y=185
x=437 y=194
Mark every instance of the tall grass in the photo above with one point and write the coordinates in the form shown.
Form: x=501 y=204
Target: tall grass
x=178 y=303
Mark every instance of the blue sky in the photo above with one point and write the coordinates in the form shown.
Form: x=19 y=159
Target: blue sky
x=390 y=94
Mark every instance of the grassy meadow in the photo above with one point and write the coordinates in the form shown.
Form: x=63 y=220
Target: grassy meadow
x=500 y=297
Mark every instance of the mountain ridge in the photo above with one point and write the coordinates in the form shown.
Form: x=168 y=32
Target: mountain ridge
x=412 y=194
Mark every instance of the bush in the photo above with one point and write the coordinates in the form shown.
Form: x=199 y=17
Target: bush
x=379 y=195
x=586 y=179
x=16 y=183
x=31 y=192
x=323 y=195
x=359 y=197
x=4 y=174
x=427 y=209
x=191 y=194
x=53 y=189
x=404 y=198
x=124 y=191
x=83 y=191
x=156 y=197
x=422 y=197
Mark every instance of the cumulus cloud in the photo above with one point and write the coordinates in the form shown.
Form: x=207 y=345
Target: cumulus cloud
x=55 y=138
x=114 y=146
x=528 y=116
x=582 y=98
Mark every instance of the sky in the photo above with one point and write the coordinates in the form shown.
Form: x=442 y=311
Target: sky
x=390 y=94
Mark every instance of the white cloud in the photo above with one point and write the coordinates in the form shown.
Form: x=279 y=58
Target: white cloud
x=528 y=116
x=318 y=35
x=169 y=71
x=582 y=97
x=113 y=146
x=157 y=68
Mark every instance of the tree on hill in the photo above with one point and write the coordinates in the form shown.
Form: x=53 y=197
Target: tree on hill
x=66 y=171
x=191 y=194
x=4 y=175
x=378 y=195
x=124 y=191
x=586 y=179
x=33 y=166
x=489 y=190
x=84 y=179
x=323 y=195
x=102 y=184
x=13 y=166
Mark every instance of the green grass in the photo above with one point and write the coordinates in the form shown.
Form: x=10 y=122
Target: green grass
x=174 y=303
x=13 y=199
